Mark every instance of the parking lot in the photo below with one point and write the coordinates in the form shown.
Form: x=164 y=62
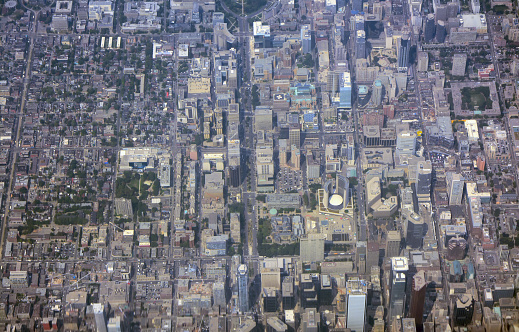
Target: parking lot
x=289 y=180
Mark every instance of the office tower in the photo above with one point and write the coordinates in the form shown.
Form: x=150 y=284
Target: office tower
x=331 y=6
x=326 y=291
x=456 y=248
x=417 y=302
x=234 y=161
x=361 y=256
x=265 y=168
x=378 y=92
x=243 y=288
x=359 y=22
x=463 y=310
x=459 y=63
x=312 y=248
x=455 y=185
x=270 y=299
x=294 y=135
x=288 y=293
x=399 y=268
x=345 y=91
x=356 y=5
x=393 y=244
x=373 y=255
x=423 y=61
x=405 y=143
x=311 y=321
x=430 y=28
x=309 y=286
x=403 y=52
x=262 y=119
x=415 y=230
x=275 y=324
x=423 y=178
x=306 y=39
x=114 y=324
x=441 y=31
x=360 y=44
x=356 y=291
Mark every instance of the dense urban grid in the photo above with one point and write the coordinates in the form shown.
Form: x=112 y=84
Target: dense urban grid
x=259 y=165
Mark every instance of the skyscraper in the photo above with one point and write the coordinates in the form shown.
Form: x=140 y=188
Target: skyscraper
x=306 y=39
x=403 y=52
x=415 y=230
x=441 y=31
x=399 y=269
x=360 y=43
x=378 y=92
x=430 y=28
x=455 y=184
x=423 y=178
x=356 y=5
x=417 y=303
x=356 y=316
x=294 y=135
x=393 y=244
x=345 y=91
x=243 y=288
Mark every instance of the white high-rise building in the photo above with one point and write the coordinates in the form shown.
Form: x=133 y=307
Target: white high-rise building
x=406 y=143
x=356 y=315
x=455 y=184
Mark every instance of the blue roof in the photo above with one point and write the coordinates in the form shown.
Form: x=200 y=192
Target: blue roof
x=309 y=117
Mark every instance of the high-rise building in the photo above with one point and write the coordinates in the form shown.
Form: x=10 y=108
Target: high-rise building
x=262 y=119
x=393 y=244
x=378 y=92
x=356 y=5
x=372 y=255
x=455 y=184
x=360 y=44
x=430 y=28
x=423 y=178
x=423 y=61
x=403 y=52
x=275 y=324
x=306 y=39
x=459 y=63
x=312 y=248
x=361 y=257
x=405 y=143
x=114 y=324
x=456 y=248
x=417 y=302
x=441 y=31
x=356 y=316
x=463 y=310
x=345 y=91
x=326 y=291
x=287 y=293
x=311 y=320
x=243 y=288
x=294 y=135
x=399 y=269
x=309 y=287
x=415 y=230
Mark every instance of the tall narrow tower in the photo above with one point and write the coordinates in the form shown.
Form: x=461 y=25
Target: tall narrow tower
x=243 y=288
